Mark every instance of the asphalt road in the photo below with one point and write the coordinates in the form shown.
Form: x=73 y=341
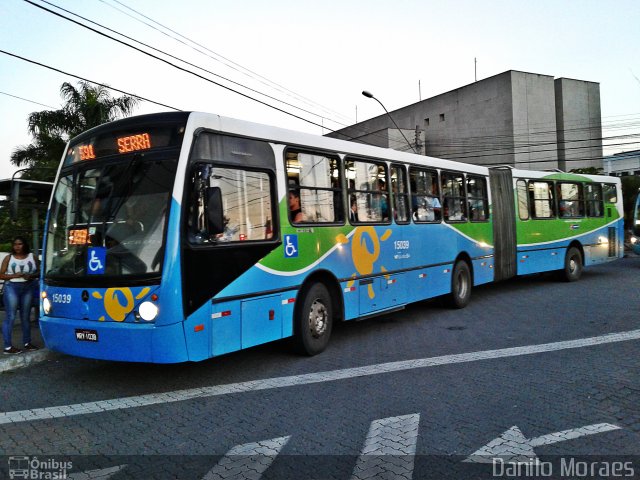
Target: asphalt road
x=535 y=376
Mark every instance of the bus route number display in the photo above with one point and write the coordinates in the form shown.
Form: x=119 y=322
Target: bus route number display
x=87 y=152
x=134 y=143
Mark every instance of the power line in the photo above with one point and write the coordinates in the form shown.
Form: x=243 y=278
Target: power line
x=182 y=60
x=179 y=67
x=176 y=66
x=514 y=147
x=27 y=100
x=231 y=64
x=90 y=81
x=174 y=108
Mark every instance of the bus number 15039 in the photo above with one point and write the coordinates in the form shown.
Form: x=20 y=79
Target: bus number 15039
x=61 y=298
x=401 y=244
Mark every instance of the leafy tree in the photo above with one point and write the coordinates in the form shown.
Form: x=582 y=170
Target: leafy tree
x=588 y=170
x=630 y=188
x=85 y=106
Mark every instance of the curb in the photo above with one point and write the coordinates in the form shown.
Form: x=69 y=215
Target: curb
x=25 y=359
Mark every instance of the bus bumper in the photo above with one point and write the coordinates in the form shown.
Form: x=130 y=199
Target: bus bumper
x=124 y=342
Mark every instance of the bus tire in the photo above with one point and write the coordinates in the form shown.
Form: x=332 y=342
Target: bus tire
x=461 y=284
x=572 y=265
x=314 y=320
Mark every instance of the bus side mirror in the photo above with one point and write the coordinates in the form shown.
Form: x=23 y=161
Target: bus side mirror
x=214 y=210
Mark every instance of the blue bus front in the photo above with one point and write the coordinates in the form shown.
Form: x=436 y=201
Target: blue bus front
x=108 y=266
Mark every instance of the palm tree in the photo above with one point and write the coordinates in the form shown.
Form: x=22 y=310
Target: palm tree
x=85 y=107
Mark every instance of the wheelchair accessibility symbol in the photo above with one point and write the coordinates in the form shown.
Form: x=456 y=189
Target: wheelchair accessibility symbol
x=96 y=260
x=290 y=246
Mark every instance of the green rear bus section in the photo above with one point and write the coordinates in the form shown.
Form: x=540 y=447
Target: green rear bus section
x=560 y=211
x=270 y=234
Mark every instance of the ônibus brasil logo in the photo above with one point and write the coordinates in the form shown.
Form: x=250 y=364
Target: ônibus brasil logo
x=37 y=469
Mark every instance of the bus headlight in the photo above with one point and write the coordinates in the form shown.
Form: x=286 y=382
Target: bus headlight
x=46 y=305
x=148 y=311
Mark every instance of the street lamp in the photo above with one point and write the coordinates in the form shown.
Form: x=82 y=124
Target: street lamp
x=370 y=95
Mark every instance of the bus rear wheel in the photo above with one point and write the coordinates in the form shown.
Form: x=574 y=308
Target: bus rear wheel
x=572 y=265
x=314 y=320
x=461 y=284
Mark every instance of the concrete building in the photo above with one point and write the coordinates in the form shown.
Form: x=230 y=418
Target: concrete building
x=623 y=164
x=520 y=119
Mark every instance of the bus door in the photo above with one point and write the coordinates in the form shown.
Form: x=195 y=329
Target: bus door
x=230 y=225
x=610 y=193
x=384 y=248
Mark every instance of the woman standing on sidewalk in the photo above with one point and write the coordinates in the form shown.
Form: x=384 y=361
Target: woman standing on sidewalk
x=18 y=270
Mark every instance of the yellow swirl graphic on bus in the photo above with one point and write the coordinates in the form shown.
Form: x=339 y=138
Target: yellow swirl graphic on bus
x=113 y=307
x=364 y=259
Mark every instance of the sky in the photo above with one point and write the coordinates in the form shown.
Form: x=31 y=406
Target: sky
x=317 y=56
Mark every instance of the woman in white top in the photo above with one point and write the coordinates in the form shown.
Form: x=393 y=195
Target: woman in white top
x=18 y=271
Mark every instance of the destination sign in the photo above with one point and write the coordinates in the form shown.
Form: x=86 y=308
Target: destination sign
x=134 y=140
x=134 y=143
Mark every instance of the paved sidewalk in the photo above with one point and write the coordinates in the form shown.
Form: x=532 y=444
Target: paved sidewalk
x=24 y=359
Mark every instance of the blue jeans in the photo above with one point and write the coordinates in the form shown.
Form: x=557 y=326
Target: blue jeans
x=17 y=295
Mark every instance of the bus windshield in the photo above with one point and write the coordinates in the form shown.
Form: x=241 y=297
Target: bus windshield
x=108 y=221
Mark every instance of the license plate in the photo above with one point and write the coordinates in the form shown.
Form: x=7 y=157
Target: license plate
x=83 y=335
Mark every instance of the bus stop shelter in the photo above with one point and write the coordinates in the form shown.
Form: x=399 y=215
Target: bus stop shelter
x=18 y=194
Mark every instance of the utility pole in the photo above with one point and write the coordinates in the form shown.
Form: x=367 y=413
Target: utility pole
x=419 y=91
x=417 y=141
x=475 y=68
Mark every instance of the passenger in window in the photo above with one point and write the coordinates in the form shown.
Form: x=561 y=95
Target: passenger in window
x=384 y=204
x=353 y=210
x=294 y=207
x=433 y=208
x=453 y=211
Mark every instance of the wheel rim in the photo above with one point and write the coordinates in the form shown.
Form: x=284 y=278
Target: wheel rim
x=462 y=285
x=573 y=265
x=318 y=318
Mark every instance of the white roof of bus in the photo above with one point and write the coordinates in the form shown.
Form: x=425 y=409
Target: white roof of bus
x=292 y=137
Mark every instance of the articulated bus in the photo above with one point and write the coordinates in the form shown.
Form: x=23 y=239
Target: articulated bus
x=182 y=236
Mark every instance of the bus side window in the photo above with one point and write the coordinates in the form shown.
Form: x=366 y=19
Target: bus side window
x=478 y=198
x=570 y=200
x=314 y=187
x=595 y=207
x=425 y=195
x=244 y=197
x=453 y=191
x=541 y=197
x=400 y=194
x=523 y=200
x=609 y=193
x=368 y=191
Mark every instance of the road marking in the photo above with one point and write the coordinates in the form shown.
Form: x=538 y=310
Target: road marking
x=389 y=449
x=305 y=379
x=513 y=446
x=248 y=461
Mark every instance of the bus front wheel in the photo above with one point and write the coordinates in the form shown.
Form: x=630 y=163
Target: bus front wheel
x=461 y=284
x=314 y=321
x=572 y=265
